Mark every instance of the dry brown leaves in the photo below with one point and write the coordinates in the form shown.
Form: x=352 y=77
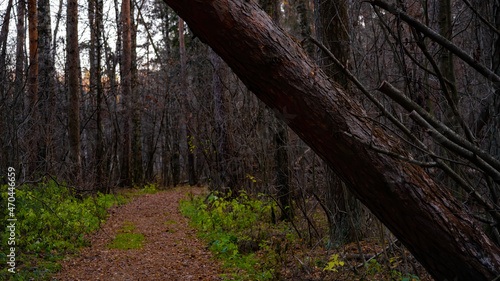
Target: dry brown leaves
x=171 y=250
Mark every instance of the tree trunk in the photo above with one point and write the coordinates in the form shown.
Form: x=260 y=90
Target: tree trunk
x=283 y=171
x=420 y=212
x=4 y=32
x=32 y=147
x=73 y=68
x=46 y=87
x=333 y=30
x=95 y=10
x=187 y=114
x=137 y=169
x=4 y=152
x=126 y=79
x=221 y=179
x=20 y=41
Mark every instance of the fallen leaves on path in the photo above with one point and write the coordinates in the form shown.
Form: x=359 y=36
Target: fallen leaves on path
x=170 y=251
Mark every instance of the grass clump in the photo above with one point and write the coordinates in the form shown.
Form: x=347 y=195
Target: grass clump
x=127 y=239
x=237 y=229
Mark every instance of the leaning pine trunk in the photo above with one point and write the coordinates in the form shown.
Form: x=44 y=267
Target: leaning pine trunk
x=422 y=214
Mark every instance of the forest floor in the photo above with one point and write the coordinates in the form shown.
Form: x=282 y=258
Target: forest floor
x=170 y=251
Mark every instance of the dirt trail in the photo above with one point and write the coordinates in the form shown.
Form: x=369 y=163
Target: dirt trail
x=171 y=250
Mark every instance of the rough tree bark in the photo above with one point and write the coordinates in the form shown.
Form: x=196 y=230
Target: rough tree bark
x=73 y=67
x=421 y=213
x=46 y=88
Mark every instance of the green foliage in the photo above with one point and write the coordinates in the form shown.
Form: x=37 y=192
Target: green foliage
x=333 y=263
x=191 y=144
x=234 y=228
x=374 y=267
x=150 y=188
x=50 y=223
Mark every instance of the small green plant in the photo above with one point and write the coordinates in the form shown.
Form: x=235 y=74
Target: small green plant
x=150 y=188
x=373 y=267
x=333 y=263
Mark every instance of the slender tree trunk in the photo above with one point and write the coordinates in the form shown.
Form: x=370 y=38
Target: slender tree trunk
x=4 y=32
x=333 y=30
x=126 y=85
x=95 y=9
x=20 y=41
x=219 y=75
x=56 y=30
x=304 y=23
x=32 y=149
x=187 y=123
x=420 y=212
x=137 y=169
x=73 y=68
x=4 y=155
x=46 y=87
x=282 y=181
x=283 y=171
x=446 y=58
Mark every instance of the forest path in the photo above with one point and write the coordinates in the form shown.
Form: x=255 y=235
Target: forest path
x=170 y=251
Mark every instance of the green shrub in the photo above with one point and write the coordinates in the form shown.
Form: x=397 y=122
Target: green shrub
x=232 y=228
x=51 y=222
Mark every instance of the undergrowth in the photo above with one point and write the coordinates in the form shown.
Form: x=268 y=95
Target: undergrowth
x=238 y=231
x=51 y=223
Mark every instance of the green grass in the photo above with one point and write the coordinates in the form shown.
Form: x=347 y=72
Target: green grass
x=170 y=222
x=126 y=241
x=126 y=238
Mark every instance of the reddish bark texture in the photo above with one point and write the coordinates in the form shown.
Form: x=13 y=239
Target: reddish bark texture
x=422 y=214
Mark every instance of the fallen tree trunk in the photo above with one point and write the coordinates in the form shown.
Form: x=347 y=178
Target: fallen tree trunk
x=422 y=214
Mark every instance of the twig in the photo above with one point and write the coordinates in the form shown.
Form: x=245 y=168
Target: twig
x=494 y=29
x=376 y=255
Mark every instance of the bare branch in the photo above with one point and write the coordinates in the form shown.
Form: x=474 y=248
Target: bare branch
x=409 y=105
x=486 y=72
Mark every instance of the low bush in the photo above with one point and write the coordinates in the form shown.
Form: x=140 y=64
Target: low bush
x=51 y=223
x=238 y=232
